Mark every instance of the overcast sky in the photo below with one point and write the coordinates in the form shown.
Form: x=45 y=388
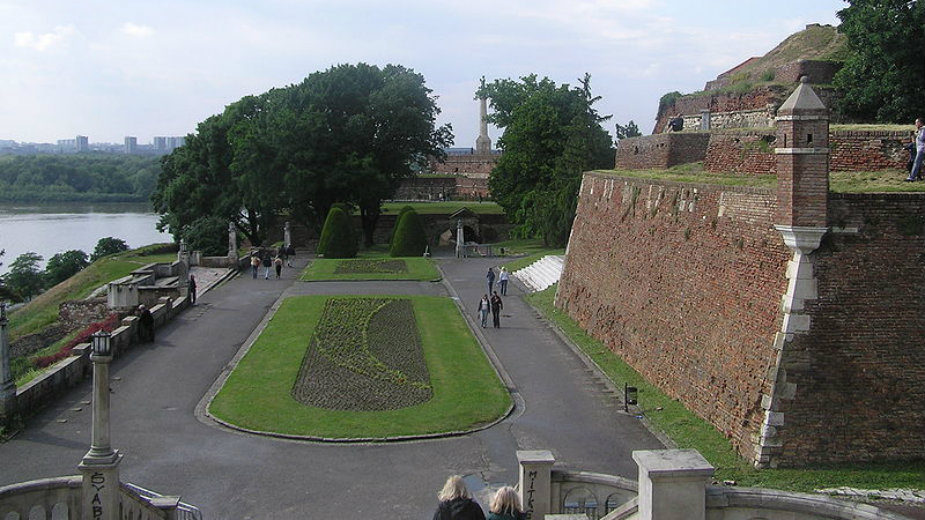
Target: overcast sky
x=107 y=69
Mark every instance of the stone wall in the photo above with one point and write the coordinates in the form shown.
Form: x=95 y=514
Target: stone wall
x=661 y=151
x=684 y=282
x=451 y=187
x=467 y=165
x=77 y=314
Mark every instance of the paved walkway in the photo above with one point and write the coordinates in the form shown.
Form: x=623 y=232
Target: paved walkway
x=563 y=407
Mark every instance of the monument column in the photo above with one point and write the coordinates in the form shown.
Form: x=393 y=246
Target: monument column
x=802 y=220
x=100 y=466
x=483 y=142
x=7 y=384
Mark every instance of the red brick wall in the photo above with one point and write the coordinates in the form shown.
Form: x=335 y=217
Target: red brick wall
x=860 y=373
x=684 y=282
x=661 y=151
x=748 y=152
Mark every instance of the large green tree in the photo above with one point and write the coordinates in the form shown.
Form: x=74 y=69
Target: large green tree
x=25 y=278
x=552 y=134
x=883 y=78
x=348 y=134
x=64 y=265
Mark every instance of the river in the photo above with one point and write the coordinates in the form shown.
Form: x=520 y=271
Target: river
x=48 y=229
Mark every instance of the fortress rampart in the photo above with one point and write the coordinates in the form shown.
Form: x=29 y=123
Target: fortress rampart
x=685 y=283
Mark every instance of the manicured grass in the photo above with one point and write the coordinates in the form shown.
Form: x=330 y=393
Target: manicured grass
x=689 y=431
x=839 y=182
x=373 y=267
x=444 y=208
x=43 y=309
x=466 y=390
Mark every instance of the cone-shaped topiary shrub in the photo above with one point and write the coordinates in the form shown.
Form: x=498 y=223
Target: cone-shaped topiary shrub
x=410 y=238
x=337 y=237
x=401 y=213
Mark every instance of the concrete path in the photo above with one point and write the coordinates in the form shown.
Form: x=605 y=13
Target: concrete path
x=230 y=475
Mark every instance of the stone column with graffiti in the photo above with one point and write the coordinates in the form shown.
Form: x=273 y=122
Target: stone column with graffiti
x=536 y=482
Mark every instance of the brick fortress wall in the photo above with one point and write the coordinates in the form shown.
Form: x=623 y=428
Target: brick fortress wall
x=684 y=282
x=752 y=151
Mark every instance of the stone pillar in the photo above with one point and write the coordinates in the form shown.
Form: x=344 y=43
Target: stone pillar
x=672 y=484
x=183 y=269
x=483 y=142
x=287 y=235
x=704 y=119
x=460 y=240
x=7 y=384
x=100 y=466
x=232 y=242
x=536 y=483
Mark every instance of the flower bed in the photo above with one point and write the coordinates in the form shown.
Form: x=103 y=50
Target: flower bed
x=365 y=355
x=371 y=266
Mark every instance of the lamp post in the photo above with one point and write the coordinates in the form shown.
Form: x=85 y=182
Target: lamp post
x=7 y=384
x=100 y=466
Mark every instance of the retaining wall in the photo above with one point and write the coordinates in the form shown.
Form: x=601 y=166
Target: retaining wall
x=684 y=282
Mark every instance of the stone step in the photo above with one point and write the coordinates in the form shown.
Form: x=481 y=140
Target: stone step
x=542 y=273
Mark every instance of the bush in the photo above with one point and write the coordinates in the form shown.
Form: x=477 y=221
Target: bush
x=109 y=325
x=410 y=238
x=208 y=235
x=401 y=213
x=337 y=237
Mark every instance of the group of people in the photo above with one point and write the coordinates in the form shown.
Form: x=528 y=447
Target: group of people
x=265 y=258
x=493 y=304
x=916 y=152
x=456 y=503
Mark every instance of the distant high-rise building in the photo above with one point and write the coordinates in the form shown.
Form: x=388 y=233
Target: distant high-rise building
x=131 y=144
x=174 y=142
x=67 y=145
x=83 y=143
x=160 y=144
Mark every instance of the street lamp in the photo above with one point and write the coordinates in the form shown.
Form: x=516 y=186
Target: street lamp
x=100 y=466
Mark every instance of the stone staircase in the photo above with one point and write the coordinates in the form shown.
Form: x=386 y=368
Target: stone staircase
x=542 y=273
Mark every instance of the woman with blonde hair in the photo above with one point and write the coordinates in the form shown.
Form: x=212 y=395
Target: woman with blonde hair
x=456 y=503
x=505 y=505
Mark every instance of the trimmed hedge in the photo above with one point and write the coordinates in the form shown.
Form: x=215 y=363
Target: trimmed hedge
x=401 y=213
x=410 y=238
x=337 y=237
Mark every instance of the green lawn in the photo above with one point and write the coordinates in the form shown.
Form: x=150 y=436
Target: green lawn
x=444 y=208
x=372 y=267
x=467 y=391
x=689 y=431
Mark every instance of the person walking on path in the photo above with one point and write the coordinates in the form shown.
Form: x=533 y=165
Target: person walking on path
x=505 y=505
x=278 y=265
x=919 y=141
x=503 y=279
x=255 y=264
x=456 y=503
x=192 y=290
x=491 y=279
x=496 y=306
x=483 y=309
x=267 y=262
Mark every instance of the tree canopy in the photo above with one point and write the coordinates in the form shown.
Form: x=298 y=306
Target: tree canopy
x=348 y=134
x=25 y=279
x=552 y=134
x=64 y=265
x=108 y=246
x=883 y=78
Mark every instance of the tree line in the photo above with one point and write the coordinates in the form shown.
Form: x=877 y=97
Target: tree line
x=78 y=177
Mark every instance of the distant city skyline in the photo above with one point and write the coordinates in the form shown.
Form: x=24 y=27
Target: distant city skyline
x=109 y=70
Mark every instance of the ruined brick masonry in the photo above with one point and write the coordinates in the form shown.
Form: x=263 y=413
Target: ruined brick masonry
x=684 y=282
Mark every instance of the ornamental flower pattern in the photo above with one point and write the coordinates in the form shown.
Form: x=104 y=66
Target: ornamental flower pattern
x=364 y=355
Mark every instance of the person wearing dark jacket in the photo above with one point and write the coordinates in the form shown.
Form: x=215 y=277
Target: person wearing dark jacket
x=456 y=503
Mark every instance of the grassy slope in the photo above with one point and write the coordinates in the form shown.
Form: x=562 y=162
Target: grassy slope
x=43 y=309
x=467 y=391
